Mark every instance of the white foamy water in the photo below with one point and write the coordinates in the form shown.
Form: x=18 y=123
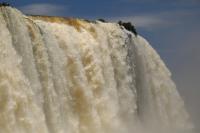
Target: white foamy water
x=71 y=76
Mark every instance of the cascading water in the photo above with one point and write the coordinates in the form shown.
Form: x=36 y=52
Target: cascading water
x=62 y=75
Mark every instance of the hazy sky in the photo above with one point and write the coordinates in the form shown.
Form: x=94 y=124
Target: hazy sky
x=171 y=26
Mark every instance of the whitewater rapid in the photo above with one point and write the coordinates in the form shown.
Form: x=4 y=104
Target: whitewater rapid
x=61 y=75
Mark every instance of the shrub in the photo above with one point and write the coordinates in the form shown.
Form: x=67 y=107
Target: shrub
x=4 y=4
x=128 y=26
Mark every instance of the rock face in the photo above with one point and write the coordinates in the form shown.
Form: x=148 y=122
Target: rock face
x=60 y=75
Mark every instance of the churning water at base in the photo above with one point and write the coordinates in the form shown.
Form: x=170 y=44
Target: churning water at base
x=62 y=75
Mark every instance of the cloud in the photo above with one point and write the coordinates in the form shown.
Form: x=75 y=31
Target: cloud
x=43 y=9
x=169 y=2
x=141 y=21
x=163 y=19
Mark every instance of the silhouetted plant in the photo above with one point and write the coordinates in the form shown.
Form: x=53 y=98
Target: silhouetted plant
x=102 y=20
x=128 y=26
x=89 y=21
x=4 y=4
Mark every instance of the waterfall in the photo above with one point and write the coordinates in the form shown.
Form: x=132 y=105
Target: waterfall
x=64 y=75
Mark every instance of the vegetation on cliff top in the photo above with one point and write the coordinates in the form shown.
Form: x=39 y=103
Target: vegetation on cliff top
x=4 y=4
x=128 y=26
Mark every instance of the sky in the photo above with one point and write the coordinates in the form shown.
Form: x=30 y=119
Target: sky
x=171 y=26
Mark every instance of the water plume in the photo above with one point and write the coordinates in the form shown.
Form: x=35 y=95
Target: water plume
x=64 y=75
